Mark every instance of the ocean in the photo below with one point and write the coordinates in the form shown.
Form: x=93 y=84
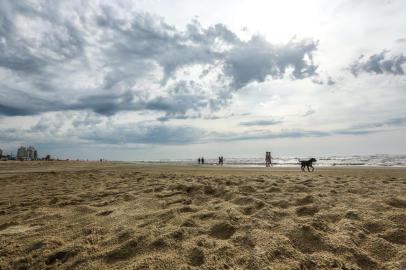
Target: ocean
x=355 y=160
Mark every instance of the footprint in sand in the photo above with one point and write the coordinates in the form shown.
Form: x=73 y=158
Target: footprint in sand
x=222 y=230
x=374 y=226
x=62 y=255
x=188 y=223
x=307 y=210
x=124 y=252
x=364 y=261
x=397 y=236
x=158 y=244
x=396 y=202
x=381 y=249
x=274 y=190
x=196 y=257
x=250 y=205
x=308 y=240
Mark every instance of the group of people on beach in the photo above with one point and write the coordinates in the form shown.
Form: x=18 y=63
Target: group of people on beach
x=268 y=160
x=200 y=160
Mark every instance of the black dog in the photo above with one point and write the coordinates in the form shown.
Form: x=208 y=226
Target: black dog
x=307 y=163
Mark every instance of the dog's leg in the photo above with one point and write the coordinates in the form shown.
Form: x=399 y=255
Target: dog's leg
x=308 y=168
x=312 y=168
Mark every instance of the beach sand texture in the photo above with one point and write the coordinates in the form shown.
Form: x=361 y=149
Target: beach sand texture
x=88 y=215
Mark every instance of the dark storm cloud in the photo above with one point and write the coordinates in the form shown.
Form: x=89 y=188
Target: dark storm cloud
x=14 y=102
x=106 y=104
x=149 y=37
x=257 y=59
x=64 y=42
x=380 y=63
x=93 y=61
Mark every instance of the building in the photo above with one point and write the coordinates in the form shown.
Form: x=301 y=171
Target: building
x=22 y=153
x=32 y=153
x=27 y=153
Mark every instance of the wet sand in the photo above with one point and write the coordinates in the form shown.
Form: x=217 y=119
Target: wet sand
x=88 y=215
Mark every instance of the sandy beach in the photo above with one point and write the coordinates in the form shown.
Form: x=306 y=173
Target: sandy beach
x=90 y=215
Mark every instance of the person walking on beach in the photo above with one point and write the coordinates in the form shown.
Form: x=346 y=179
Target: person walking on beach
x=221 y=160
x=202 y=160
x=199 y=160
x=268 y=159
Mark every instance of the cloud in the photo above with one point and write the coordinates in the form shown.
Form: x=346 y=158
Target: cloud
x=309 y=111
x=260 y=123
x=265 y=134
x=355 y=130
x=109 y=58
x=329 y=81
x=14 y=102
x=145 y=134
x=380 y=63
x=257 y=59
x=106 y=104
x=55 y=40
x=393 y=122
x=90 y=129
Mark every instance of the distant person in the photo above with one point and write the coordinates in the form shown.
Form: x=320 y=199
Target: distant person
x=268 y=159
x=199 y=160
x=221 y=161
x=202 y=160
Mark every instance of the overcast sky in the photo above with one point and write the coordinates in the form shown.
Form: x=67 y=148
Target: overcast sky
x=149 y=79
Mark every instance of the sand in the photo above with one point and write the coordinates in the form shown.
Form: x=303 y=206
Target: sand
x=84 y=215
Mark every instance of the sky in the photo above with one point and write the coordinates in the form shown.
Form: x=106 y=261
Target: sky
x=174 y=79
